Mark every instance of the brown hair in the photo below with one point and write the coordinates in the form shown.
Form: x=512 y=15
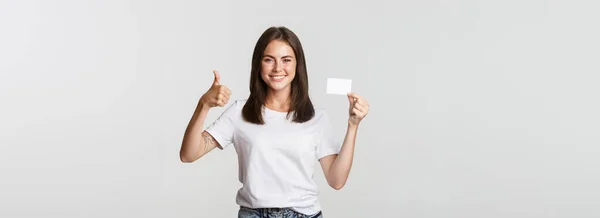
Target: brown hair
x=301 y=106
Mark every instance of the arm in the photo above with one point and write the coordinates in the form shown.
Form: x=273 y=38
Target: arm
x=196 y=142
x=337 y=167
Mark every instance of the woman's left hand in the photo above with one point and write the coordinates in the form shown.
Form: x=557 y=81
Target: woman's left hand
x=359 y=107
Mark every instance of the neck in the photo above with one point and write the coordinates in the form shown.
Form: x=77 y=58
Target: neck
x=278 y=100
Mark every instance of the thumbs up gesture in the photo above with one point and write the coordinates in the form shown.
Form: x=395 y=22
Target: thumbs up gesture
x=217 y=95
x=359 y=107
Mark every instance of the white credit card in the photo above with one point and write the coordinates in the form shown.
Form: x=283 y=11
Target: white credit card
x=339 y=86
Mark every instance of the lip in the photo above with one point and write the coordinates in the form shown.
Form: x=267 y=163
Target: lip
x=272 y=78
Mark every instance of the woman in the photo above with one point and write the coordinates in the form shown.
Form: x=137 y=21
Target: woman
x=276 y=132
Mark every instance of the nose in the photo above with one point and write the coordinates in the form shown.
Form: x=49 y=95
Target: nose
x=278 y=66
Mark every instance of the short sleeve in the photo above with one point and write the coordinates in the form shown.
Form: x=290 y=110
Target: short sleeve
x=223 y=127
x=326 y=145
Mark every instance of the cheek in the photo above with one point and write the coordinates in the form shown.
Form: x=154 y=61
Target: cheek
x=265 y=67
x=264 y=70
x=291 y=69
x=264 y=76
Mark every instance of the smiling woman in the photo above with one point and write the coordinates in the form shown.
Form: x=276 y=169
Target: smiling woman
x=277 y=133
x=278 y=77
x=278 y=64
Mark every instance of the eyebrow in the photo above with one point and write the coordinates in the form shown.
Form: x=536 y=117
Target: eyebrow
x=287 y=56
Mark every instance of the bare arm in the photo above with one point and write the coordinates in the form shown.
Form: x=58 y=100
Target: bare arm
x=196 y=142
x=337 y=167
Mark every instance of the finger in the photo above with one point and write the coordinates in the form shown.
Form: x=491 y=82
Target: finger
x=217 y=77
x=227 y=97
x=359 y=101
x=222 y=96
x=351 y=100
x=361 y=108
x=363 y=101
x=225 y=89
x=221 y=102
x=355 y=112
x=354 y=95
x=362 y=104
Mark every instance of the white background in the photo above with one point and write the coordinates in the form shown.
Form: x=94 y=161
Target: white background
x=478 y=108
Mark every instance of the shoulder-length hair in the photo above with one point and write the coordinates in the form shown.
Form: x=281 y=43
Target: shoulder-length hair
x=301 y=106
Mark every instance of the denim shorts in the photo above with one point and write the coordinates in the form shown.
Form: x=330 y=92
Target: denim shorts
x=246 y=212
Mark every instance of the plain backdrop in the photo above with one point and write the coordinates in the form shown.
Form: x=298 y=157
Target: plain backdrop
x=478 y=108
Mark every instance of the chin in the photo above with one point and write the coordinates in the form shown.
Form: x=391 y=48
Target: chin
x=279 y=87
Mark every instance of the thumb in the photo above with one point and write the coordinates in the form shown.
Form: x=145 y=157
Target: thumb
x=217 y=77
x=351 y=99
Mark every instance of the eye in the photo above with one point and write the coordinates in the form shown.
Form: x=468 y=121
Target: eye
x=268 y=60
x=287 y=60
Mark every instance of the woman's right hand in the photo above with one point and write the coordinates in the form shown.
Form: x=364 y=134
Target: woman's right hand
x=217 y=95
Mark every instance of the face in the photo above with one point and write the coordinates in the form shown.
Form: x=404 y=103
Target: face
x=278 y=66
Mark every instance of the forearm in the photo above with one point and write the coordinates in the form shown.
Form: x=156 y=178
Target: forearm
x=193 y=145
x=340 y=168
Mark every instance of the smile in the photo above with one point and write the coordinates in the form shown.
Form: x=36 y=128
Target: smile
x=278 y=78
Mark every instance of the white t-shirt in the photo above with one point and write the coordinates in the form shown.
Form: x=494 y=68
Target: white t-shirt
x=277 y=159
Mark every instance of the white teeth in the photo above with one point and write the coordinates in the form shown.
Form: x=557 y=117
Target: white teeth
x=278 y=77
